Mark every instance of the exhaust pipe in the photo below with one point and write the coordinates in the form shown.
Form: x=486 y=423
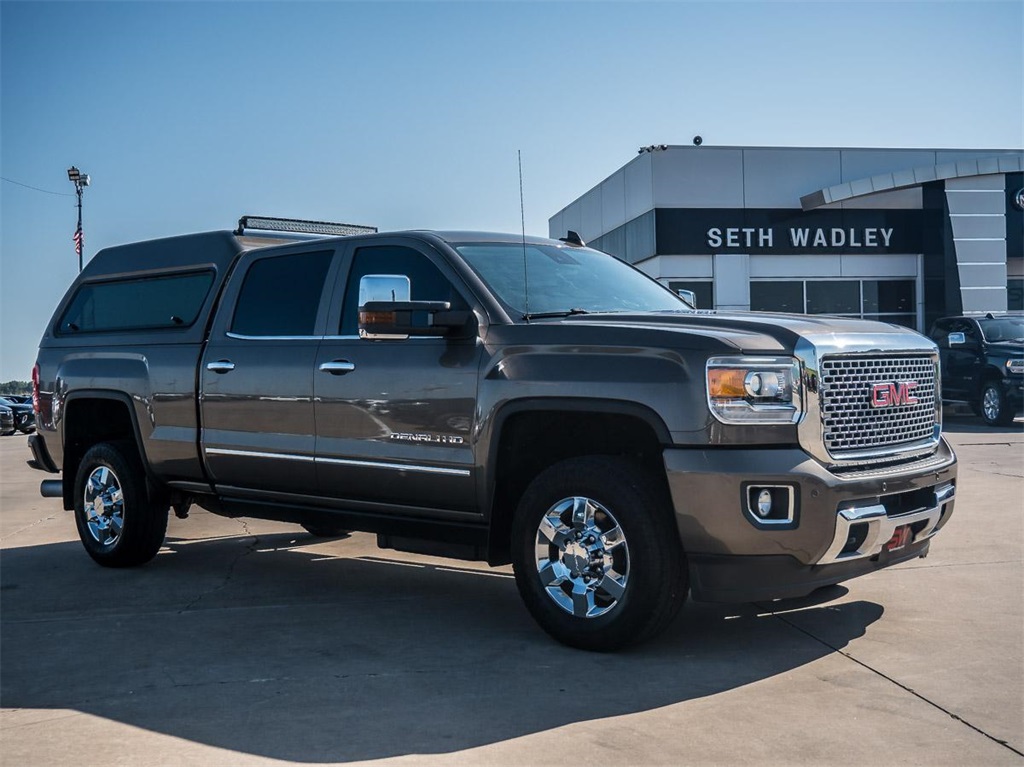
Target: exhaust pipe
x=52 y=488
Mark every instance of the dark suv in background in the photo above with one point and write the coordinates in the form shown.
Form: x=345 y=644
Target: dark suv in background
x=983 y=363
x=24 y=417
x=6 y=421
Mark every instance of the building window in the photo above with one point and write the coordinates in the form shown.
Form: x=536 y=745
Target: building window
x=884 y=300
x=1015 y=294
x=906 y=320
x=783 y=296
x=703 y=290
x=889 y=296
x=833 y=297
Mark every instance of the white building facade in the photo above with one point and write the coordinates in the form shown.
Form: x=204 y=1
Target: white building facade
x=899 y=235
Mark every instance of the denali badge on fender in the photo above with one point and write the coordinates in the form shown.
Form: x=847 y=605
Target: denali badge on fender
x=892 y=394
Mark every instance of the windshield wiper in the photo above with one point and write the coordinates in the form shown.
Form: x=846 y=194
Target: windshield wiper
x=543 y=315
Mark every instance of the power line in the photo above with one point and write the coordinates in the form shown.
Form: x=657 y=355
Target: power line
x=36 y=188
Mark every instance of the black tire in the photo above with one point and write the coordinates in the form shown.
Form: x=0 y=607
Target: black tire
x=325 y=530
x=993 y=406
x=618 y=494
x=116 y=473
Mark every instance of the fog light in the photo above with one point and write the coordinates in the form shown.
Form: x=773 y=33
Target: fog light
x=771 y=504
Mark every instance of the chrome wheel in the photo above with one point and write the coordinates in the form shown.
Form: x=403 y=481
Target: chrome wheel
x=582 y=557
x=990 y=404
x=104 y=506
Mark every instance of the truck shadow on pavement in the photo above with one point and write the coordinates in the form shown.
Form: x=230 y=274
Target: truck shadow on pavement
x=278 y=647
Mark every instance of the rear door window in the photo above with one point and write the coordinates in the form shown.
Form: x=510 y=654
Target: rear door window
x=281 y=295
x=143 y=303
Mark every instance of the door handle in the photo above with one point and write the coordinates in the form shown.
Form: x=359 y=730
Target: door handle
x=221 y=366
x=337 y=367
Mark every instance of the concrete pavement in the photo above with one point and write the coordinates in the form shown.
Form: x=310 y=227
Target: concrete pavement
x=250 y=643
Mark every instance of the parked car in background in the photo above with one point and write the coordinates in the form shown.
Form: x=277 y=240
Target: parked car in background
x=24 y=417
x=983 y=363
x=6 y=421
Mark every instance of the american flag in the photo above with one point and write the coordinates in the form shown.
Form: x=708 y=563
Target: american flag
x=79 y=238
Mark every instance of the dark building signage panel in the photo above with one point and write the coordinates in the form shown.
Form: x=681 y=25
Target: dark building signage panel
x=770 y=230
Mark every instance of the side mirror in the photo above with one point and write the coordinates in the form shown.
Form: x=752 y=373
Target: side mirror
x=386 y=313
x=957 y=339
x=384 y=287
x=689 y=298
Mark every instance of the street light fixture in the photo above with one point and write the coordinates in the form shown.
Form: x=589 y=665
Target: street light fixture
x=80 y=180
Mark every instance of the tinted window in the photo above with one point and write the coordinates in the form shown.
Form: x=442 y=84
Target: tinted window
x=703 y=291
x=281 y=295
x=889 y=296
x=565 y=278
x=777 y=297
x=426 y=281
x=1003 y=329
x=170 y=301
x=839 y=297
x=966 y=327
x=940 y=333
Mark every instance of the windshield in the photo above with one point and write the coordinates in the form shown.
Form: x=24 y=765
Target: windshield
x=1003 y=329
x=565 y=280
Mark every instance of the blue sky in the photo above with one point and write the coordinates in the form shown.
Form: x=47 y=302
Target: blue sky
x=409 y=115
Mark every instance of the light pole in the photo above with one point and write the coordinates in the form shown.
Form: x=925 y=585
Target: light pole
x=80 y=180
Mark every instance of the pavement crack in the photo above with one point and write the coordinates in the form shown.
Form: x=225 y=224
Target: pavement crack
x=911 y=690
x=29 y=527
x=997 y=473
x=249 y=549
x=938 y=565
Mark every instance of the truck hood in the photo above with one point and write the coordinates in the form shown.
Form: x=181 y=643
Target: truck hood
x=764 y=331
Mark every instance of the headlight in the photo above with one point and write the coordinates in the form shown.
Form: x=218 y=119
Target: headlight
x=754 y=389
x=1015 y=366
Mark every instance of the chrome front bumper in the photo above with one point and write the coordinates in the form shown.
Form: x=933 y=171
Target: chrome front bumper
x=880 y=527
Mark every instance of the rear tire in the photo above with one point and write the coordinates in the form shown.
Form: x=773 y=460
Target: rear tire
x=596 y=554
x=119 y=523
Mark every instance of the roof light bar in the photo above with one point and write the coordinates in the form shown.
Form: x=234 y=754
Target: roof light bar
x=269 y=223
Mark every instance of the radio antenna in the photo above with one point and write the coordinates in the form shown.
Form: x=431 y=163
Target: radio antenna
x=522 y=218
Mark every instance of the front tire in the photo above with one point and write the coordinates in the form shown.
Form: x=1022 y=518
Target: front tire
x=993 y=405
x=119 y=524
x=596 y=554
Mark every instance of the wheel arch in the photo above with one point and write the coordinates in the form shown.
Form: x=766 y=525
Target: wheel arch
x=990 y=373
x=91 y=416
x=521 y=446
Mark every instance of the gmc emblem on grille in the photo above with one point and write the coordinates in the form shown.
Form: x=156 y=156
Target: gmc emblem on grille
x=892 y=394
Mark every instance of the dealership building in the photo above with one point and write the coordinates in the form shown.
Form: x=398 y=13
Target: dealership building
x=900 y=235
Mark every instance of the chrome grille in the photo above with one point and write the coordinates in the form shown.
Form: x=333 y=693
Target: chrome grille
x=849 y=422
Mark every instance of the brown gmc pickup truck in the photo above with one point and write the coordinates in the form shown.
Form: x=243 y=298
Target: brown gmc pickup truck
x=490 y=397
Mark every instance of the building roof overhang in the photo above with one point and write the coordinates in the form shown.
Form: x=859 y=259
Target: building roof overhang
x=885 y=182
